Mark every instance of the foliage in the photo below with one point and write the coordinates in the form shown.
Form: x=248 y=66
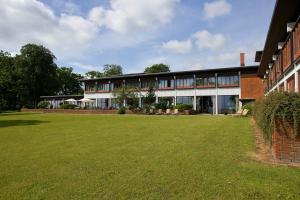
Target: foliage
x=249 y=107
x=37 y=73
x=130 y=96
x=43 y=104
x=69 y=82
x=149 y=99
x=9 y=82
x=157 y=68
x=112 y=70
x=68 y=106
x=161 y=105
x=122 y=110
x=182 y=107
x=94 y=74
x=278 y=106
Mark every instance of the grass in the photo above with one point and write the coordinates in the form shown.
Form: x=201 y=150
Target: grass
x=58 y=156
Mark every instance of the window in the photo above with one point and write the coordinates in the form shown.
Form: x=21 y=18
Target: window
x=90 y=86
x=184 y=100
x=166 y=84
x=102 y=103
x=227 y=104
x=132 y=84
x=206 y=81
x=147 y=83
x=228 y=81
x=103 y=87
x=185 y=83
x=117 y=85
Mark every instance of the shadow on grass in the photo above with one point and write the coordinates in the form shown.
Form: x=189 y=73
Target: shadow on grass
x=18 y=113
x=8 y=123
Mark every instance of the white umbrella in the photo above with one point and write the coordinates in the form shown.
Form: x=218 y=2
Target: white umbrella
x=70 y=100
x=87 y=100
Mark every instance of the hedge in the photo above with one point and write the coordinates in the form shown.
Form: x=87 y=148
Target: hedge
x=281 y=106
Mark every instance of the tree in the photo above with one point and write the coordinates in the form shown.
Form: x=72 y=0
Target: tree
x=130 y=96
x=94 y=74
x=9 y=80
x=112 y=70
x=69 y=82
x=157 y=68
x=149 y=99
x=38 y=73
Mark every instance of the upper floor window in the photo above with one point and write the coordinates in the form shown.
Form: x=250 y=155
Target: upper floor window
x=228 y=80
x=132 y=84
x=166 y=84
x=145 y=84
x=117 y=85
x=90 y=86
x=206 y=81
x=103 y=87
x=185 y=83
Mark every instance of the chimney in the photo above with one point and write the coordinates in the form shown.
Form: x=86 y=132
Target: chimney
x=242 y=59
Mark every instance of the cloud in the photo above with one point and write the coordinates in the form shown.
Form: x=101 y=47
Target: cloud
x=71 y=8
x=215 y=9
x=207 y=40
x=31 y=21
x=176 y=46
x=125 y=16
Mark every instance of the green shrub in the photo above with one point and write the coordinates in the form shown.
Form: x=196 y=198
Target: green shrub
x=249 y=106
x=43 y=104
x=68 y=106
x=161 y=105
x=278 y=106
x=182 y=107
x=122 y=110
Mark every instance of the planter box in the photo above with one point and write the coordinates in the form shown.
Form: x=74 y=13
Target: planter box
x=285 y=147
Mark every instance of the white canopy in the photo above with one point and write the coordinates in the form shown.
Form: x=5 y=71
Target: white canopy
x=87 y=100
x=71 y=100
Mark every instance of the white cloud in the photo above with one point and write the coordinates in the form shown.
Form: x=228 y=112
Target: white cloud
x=176 y=46
x=207 y=40
x=71 y=8
x=31 y=21
x=125 y=16
x=216 y=8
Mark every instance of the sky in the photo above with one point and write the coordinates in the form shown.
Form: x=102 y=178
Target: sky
x=185 y=34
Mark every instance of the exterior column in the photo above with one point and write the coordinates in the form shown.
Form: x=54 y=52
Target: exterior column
x=124 y=103
x=297 y=81
x=195 y=97
x=140 y=102
x=240 y=95
x=156 y=99
x=285 y=85
x=175 y=89
x=216 y=103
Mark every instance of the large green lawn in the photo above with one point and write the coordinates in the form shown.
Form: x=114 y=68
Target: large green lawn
x=58 y=156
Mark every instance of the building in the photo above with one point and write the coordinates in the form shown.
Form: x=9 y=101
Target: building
x=280 y=58
x=215 y=91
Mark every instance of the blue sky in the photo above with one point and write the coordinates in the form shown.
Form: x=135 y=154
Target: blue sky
x=185 y=34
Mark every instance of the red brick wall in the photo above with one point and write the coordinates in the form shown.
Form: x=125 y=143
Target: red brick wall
x=285 y=148
x=252 y=86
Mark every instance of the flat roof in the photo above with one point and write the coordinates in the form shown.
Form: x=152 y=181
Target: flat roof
x=201 y=71
x=62 y=96
x=285 y=11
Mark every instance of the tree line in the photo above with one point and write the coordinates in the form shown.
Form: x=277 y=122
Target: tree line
x=33 y=73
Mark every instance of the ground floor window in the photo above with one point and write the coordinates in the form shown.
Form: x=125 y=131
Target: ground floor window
x=206 y=104
x=184 y=100
x=228 y=104
x=103 y=103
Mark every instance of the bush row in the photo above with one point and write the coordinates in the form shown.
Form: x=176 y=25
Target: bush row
x=283 y=107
